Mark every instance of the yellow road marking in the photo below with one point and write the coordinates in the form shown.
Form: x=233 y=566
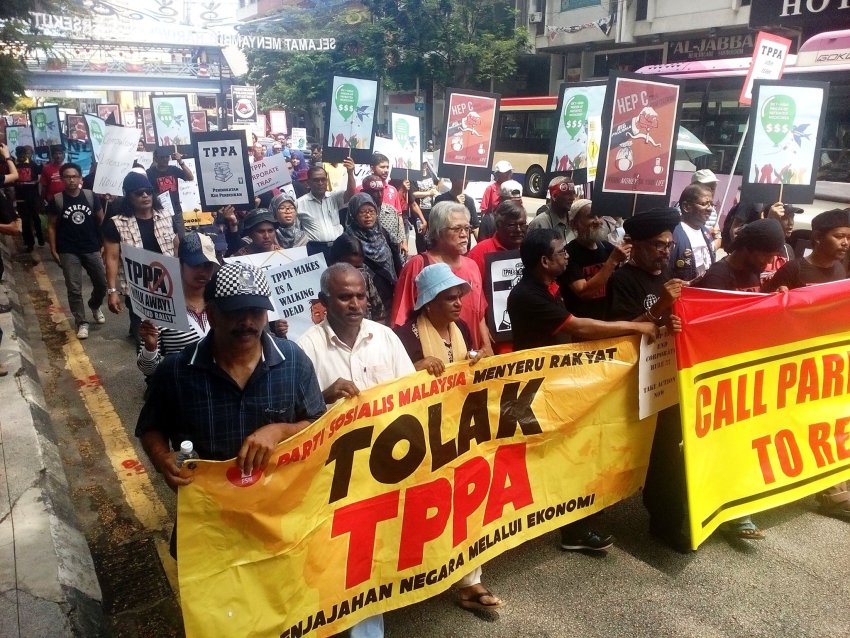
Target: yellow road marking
x=136 y=485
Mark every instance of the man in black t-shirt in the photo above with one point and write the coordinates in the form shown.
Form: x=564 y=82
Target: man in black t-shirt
x=29 y=201
x=166 y=178
x=592 y=261
x=540 y=318
x=639 y=291
x=755 y=245
x=74 y=220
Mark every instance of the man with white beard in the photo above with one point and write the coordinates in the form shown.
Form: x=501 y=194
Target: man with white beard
x=592 y=262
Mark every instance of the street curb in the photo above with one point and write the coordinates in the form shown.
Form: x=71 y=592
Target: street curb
x=53 y=589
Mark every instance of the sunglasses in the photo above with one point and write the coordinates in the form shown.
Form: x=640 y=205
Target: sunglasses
x=142 y=192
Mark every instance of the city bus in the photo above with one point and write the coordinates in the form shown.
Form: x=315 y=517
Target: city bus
x=711 y=111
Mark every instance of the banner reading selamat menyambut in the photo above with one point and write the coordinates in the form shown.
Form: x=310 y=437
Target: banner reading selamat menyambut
x=392 y=496
x=764 y=385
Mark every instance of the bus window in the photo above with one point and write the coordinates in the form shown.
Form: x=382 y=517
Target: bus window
x=512 y=126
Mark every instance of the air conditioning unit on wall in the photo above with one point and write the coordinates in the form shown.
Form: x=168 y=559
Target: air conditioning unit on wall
x=535 y=18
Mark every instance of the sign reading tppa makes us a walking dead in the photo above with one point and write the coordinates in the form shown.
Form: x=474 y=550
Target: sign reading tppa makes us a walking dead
x=155 y=287
x=224 y=171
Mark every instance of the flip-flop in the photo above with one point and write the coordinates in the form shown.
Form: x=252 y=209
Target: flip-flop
x=476 y=602
x=750 y=533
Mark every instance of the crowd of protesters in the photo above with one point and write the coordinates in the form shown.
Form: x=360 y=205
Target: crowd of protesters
x=404 y=291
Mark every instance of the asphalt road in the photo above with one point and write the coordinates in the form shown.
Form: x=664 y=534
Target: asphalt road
x=794 y=583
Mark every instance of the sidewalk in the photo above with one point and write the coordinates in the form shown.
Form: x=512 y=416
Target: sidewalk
x=48 y=585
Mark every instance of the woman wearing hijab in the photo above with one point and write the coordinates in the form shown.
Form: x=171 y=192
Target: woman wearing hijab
x=434 y=337
x=381 y=254
x=289 y=233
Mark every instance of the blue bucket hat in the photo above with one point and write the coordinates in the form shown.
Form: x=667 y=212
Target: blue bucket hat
x=433 y=280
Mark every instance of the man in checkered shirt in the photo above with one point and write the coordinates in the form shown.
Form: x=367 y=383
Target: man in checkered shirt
x=236 y=393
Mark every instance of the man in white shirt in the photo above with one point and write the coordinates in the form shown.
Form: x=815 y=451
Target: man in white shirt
x=318 y=210
x=351 y=353
x=693 y=250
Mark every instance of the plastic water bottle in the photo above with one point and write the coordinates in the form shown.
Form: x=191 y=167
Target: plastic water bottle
x=186 y=453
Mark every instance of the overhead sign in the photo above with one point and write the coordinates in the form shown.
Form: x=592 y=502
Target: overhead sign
x=769 y=57
x=277 y=44
x=735 y=45
x=811 y=16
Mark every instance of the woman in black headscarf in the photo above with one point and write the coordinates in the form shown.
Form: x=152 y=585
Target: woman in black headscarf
x=381 y=254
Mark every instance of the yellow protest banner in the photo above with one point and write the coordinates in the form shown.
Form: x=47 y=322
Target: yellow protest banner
x=764 y=384
x=394 y=495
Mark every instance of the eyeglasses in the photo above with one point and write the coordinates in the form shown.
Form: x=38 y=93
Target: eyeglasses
x=142 y=192
x=662 y=246
x=367 y=212
x=460 y=229
x=562 y=252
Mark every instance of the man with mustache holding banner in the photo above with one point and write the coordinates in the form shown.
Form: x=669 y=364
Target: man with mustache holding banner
x=236 y=393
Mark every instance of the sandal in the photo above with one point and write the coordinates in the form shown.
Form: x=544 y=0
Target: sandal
x=476 y=602
x=745 y=528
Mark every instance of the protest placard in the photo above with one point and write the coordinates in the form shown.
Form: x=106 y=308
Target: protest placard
x=639 y=125
x=147 y=121
x=109 y=112
x=277 y=121
x=298 y=139
x=155 y=287
x=270 y=173
x=657 y=374
x=783 y=141
x=244 y=104
x=406 y=135
x=167 y=204
x=400 y=491
x=470 y=122
x=76 y=127
x=96 y=128
x=350 y=127
x=502 y=271
x=271 y=261
x=575 y=146
x=765 y=416
x=770 y=54
x=293 y=287
x=171 y=119
x=223 y=169
x=117 y=154
x=190 y=196
x=46 y=127
x=19 y=135
x=198 y=121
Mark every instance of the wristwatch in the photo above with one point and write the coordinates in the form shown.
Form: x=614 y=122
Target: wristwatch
x=110 y=291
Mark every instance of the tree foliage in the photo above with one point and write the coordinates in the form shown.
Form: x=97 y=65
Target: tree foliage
x=18 y=37
x=460 y=43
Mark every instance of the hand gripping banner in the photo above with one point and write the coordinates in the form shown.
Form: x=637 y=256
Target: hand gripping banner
x=393 y=496
x=764 y=385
